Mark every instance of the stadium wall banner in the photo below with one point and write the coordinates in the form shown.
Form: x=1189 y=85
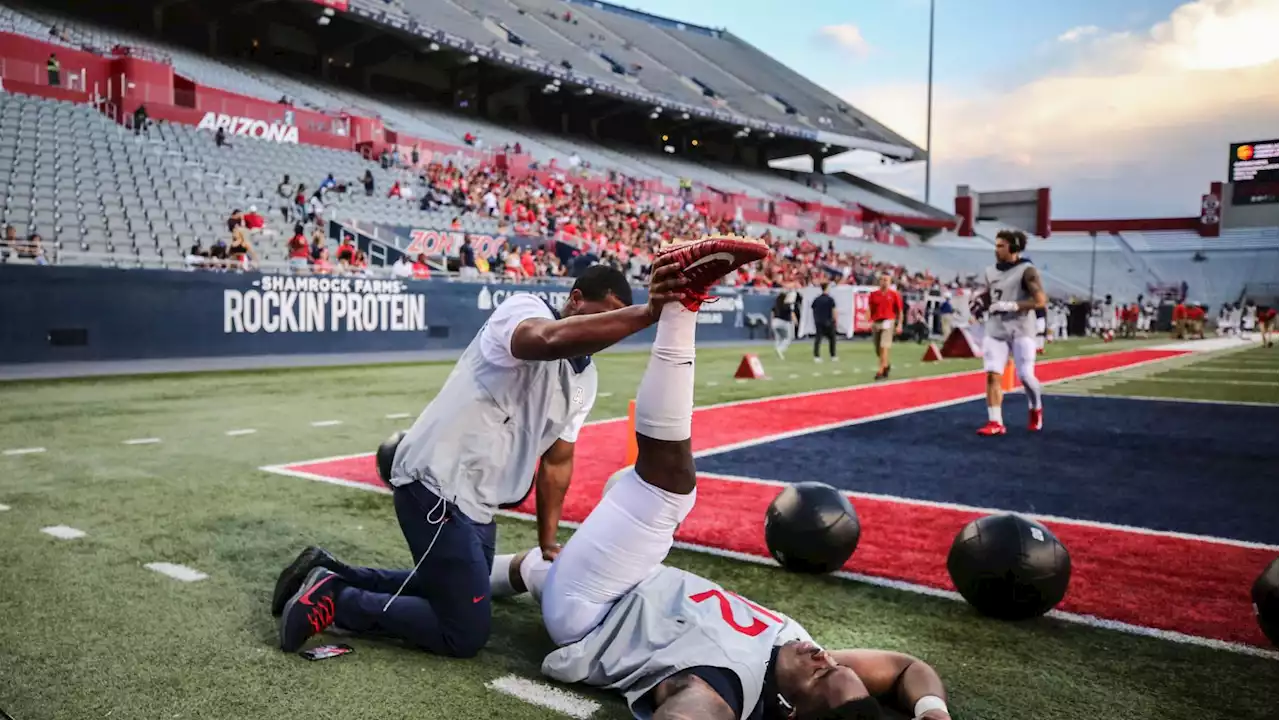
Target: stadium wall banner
x=273 y=132
x=339 y=5
x=59 y=314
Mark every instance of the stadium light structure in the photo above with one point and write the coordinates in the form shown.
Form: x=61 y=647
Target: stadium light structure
x=928 y=115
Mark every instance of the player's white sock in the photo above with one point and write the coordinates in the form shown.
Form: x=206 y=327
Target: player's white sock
x=534 y=573
x=994 y=415
x=500 y=577
x=664 y=401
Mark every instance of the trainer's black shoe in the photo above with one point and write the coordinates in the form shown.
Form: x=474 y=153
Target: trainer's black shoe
x=311 y=610
x=887 y=368
x=291 y=577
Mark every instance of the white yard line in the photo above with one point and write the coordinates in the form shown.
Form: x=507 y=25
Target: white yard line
x=177 y=572
x=243 y=431
x=399 y=416
x=3 y=507
x=62 y=532
x=326 y=423
x=142 y=441
x=545 y=696
x=24 y=451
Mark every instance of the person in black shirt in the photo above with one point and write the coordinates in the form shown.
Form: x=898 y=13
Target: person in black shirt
x=782 y=322
x=824 y=324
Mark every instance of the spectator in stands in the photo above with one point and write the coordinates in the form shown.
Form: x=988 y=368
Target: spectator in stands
x=322 y=266
x=394 y=192
x=32 y=249
x=317 y=244
x=256 y=224
x=55 y=70
x=346 y=251
x=360 y=263
x=197 y=255
x=140 y=119
x=10 y=242
x=284 y=191
x=241 y=250
x=315 y=208
x=469 y=139
x=218 y=254
x=220 y=138
x=402 y=268
x=299 y=255
x=368 y=183
x=300 y=203
x=421 y=270
x=414 y=155
x=823 y=308
x=328 y=183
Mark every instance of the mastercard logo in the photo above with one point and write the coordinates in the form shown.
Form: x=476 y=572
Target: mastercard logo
x=1244 y=152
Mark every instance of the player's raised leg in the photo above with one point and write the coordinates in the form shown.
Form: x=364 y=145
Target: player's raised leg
x=628 y=535
x=1024 y=361
x=995 y=355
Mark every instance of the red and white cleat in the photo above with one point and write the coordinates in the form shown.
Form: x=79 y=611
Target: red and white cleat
x=1035 y=420
x=703 y=262
x=992 y=428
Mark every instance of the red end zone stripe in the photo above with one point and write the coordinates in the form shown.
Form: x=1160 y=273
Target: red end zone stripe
x=1188 y=586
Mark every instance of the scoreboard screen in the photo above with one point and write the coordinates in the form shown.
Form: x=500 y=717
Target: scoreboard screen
x=1252 y=170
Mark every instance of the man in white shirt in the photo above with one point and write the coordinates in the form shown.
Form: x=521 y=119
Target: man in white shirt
x=504 y=424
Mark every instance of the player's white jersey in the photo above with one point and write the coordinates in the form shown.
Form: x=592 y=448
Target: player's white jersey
x=672 y=621
x=1005 y=284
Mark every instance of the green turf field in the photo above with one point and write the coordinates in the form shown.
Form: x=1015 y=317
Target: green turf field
x=87 y=632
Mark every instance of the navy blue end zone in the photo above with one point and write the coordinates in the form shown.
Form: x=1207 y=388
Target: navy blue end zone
x=1196 y=468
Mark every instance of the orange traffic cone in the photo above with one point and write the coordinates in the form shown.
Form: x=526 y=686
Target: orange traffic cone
x=1010 y=378
x=633 y=452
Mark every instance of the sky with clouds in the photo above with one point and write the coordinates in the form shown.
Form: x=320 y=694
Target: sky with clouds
x=1125 y=109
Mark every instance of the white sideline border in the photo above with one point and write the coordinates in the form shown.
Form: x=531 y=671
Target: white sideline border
x=545 y=696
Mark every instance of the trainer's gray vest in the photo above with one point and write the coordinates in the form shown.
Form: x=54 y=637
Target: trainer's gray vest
x=1006 y=285
x=674 y=621
x=477 y=443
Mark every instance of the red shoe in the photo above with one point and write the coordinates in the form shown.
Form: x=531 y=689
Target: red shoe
x=1035 y=420
x=992 y=428
x=703 y=262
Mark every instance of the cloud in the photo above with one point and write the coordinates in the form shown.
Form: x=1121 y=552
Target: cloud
x=847 y=36
x=1131 y=124
x=1077 y=33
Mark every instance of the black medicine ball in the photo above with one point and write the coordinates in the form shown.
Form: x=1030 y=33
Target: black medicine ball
x=387 y=456
x=1009 y=567
x=1265 y=602
x=811 y=528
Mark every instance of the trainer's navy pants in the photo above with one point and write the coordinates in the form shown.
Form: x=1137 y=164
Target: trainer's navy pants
x=445 y=608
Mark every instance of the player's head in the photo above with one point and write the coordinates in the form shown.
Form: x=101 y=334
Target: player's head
x=815 y=686
x=885 y=281
x=598 y=289
x=1010 y=244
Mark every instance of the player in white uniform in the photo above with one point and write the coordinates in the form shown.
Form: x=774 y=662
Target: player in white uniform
x=1015 y=292
x=677 y=645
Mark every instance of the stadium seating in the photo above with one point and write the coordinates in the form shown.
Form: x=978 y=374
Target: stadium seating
x=129 y=200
